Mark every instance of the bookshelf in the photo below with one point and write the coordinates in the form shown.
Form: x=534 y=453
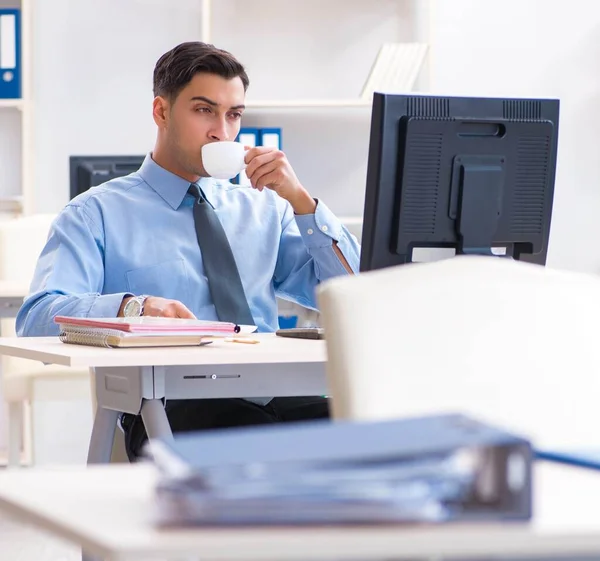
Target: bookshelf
x=307 y=104
x=16 y=121
x=407 y=63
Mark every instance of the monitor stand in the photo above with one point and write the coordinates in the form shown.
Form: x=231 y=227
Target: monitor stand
x=479 y=204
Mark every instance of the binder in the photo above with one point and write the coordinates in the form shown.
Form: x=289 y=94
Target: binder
x=271 y=137
x=247 y=137
x=437 y=468
x=10 y=54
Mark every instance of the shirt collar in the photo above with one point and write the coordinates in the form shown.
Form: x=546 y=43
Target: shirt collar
x=169 y=186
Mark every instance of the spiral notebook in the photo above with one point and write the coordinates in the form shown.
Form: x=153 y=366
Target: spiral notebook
x=143 y=331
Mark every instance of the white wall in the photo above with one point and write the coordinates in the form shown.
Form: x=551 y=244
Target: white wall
x=93 y=80
x=546 y=48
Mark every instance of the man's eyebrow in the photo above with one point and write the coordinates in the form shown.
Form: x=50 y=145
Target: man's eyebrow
x=205 y=99
x=214 y=103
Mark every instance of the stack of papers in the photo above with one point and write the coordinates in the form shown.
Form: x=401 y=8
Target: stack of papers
x=412 y=470
x=143 y=331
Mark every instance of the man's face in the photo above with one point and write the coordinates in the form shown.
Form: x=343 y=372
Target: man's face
x=207 y=110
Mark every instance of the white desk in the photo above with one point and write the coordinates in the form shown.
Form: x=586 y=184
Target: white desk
x=136 y=380
x=108 y=510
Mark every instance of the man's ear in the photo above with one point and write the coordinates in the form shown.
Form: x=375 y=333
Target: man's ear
x=160 y=111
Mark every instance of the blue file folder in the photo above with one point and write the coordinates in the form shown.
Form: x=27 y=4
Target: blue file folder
x=10 y=54
x=248 y=137
x=271 y=137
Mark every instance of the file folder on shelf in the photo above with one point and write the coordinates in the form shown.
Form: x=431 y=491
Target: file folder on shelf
x=10 y=54
x=396 y=69
x=247 y=137
x=434 y=469
x=271 y=137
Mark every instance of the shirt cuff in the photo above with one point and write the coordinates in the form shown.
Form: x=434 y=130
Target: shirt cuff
x=107 y=305
x=319 y=229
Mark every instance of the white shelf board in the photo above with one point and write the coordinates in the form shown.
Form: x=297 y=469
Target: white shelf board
x=307 y=103
x=351 y=220
x=11 y=103
x=11 y=204
x=23 y=462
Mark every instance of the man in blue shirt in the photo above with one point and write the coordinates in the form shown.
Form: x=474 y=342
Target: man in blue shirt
x=130 y=247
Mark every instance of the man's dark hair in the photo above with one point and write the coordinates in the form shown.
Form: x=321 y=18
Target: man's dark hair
x=176 y=68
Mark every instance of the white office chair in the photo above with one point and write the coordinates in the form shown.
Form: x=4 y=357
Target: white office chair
x=507 y=342
x=24 y=381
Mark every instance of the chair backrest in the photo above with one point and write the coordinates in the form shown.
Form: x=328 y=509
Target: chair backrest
x=507 y=342
x=21 y=242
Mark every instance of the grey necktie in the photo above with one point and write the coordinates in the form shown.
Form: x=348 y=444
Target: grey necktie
x=224 y=280
x=223 y=276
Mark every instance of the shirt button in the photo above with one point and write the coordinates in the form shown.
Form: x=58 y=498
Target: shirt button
x=309 y=231
x=324 y=228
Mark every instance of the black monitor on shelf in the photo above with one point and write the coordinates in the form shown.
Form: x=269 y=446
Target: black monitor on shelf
x=471 y=174
x=89 y=171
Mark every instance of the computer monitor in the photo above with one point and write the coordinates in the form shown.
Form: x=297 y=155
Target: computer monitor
x=89 y=171
x=471 y=174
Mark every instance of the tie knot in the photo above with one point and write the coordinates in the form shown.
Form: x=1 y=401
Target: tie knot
x=195 y=191
x=198 y=194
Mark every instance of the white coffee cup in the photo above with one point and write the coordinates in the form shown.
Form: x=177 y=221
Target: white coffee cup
x=223 y=160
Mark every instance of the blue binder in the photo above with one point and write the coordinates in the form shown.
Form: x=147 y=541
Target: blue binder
x=263 y=474
x=271 y=137
x=248 y=137
x=10 y=54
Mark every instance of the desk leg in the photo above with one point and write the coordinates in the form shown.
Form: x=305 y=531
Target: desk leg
x=155 y=419
x=15 y=432
x=103 y=435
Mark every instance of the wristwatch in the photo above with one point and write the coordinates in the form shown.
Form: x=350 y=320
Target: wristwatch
x=135 y=307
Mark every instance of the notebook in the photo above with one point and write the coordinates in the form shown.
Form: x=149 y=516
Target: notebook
x=144 y=331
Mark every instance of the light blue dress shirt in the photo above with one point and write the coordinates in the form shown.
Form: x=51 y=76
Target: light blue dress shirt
x=136 y=235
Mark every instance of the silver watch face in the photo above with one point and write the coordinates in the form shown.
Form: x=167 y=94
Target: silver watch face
x=133 y=308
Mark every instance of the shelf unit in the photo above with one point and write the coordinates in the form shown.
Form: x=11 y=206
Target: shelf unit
x=22 y=204
x=308 y=104
x=11 y=104
x=261 y=110
x=259 y=104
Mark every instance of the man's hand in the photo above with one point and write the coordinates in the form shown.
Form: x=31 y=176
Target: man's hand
x=269 y=167
x=161 y=307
